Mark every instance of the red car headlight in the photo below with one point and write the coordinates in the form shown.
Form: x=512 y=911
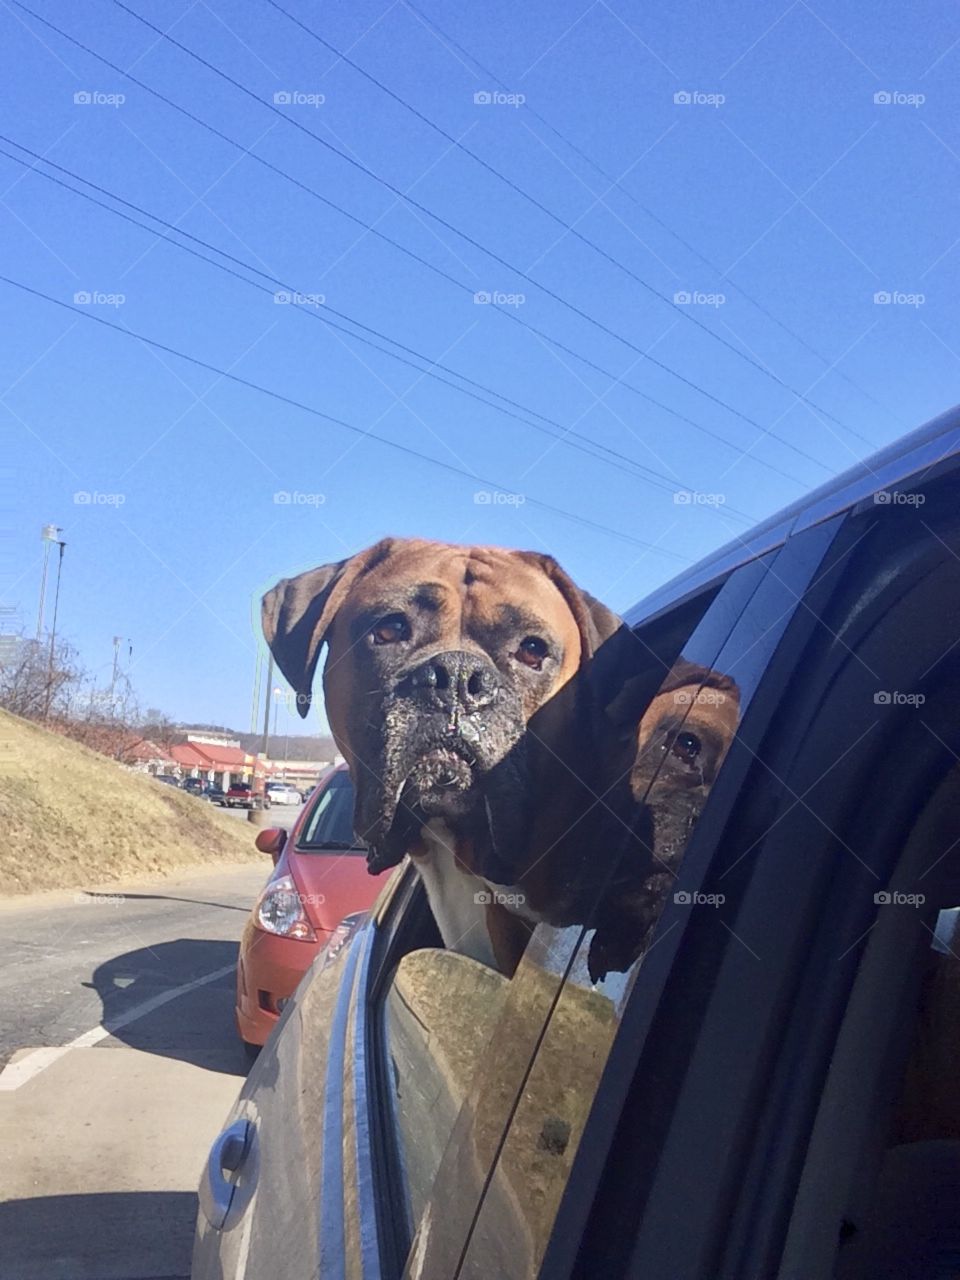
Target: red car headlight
x=280 y=911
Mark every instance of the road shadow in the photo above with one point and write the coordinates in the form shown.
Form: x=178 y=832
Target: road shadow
x=169 y=897
x=150 y=1003
x=109 y=1236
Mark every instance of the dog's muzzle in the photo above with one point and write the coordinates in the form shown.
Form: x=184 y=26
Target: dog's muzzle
x=447 y=722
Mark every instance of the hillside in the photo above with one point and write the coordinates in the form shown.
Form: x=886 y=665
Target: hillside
x=72 y=818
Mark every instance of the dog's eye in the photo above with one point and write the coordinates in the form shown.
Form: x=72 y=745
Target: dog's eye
x=390 y=630
x=532 y=652
x=686 y=747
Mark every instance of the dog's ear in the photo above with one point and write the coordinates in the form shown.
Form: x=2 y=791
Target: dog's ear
x=296 y=615
x=621 y=673
x=596 y=623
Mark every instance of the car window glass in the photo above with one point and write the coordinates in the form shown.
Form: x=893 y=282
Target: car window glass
x=471 y=1104
x=683 y=739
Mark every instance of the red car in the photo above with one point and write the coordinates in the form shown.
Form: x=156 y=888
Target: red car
x=319 y=877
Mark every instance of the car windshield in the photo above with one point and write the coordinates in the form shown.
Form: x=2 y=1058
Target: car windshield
x=330 y=823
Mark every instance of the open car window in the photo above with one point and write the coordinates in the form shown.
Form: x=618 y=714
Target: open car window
x=456 y=1040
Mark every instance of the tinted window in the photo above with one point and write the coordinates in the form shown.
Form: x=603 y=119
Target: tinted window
x=330 y=824
x=681 y=741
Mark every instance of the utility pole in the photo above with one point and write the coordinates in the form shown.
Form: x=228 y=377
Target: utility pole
x=53 y=629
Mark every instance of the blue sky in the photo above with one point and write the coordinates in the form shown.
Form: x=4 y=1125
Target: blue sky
x=775 y=188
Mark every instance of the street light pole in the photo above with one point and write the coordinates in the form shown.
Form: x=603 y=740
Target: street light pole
x=266 y=708
x=53 y=629
x=48 y=535
x=116 y=663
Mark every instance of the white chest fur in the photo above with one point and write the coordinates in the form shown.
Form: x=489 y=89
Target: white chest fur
x=457 y=898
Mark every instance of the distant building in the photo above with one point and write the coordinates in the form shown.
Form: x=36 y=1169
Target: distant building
x=299 y=773
x=216 y=758
x=212 y=738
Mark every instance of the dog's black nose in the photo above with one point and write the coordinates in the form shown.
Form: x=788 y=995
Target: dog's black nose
x=457 y=678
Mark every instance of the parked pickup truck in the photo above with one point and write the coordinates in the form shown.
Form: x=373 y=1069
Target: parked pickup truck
x=242 y=796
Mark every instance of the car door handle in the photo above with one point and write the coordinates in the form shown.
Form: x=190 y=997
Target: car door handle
x=232 y=1153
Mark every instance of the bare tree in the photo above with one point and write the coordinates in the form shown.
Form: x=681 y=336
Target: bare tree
x=159 y=728
x=36 y=684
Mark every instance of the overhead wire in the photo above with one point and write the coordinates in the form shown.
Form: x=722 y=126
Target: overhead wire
x=292 y=402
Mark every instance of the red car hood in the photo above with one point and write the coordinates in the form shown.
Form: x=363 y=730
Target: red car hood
x=333 y=885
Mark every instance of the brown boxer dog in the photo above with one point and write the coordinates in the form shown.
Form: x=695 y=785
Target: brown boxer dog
x=456 y=690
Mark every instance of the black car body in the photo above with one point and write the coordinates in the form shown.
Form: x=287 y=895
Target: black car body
x=731 y=1105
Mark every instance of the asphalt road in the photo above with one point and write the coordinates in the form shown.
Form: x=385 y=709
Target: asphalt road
x=121 y=1062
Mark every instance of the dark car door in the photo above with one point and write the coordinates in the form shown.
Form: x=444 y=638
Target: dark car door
x=455 y=1050
x=745 y=1110
x=732 y=647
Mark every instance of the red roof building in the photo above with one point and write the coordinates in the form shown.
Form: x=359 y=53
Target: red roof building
x=216 y=762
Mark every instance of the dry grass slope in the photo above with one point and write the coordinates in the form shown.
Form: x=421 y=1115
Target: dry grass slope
x=71 y=818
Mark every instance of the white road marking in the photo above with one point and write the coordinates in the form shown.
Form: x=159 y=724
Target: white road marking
x=18 y=1073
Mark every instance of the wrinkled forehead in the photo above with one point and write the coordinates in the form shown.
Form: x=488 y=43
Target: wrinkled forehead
x=466 y=586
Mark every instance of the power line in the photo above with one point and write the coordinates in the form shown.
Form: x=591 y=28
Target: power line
x=562 y=434
x=509 y=314
x=654 y=217
x=476 y=244
x=339 y=422
x=681 y=311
